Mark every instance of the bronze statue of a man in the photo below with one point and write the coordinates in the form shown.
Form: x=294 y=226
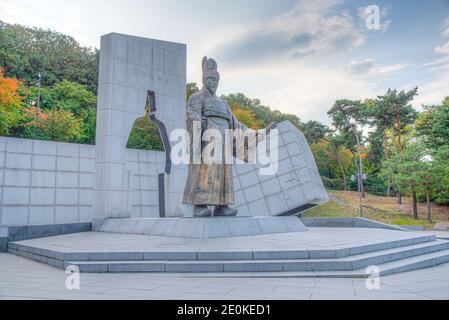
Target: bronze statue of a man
x=210 y=184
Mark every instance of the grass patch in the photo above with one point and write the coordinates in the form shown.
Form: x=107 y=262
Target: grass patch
x=351 y=210
x=331 y=210
x=412 y=222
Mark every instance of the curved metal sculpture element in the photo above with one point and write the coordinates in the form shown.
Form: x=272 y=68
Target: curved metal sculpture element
x=151 y=104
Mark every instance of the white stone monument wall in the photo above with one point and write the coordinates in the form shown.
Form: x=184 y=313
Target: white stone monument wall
x=145 y=167
x=43 y=182
x=46 y=182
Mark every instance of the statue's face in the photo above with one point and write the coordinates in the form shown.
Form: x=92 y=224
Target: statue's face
x=212 y=84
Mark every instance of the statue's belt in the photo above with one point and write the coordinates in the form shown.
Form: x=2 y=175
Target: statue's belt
x=214 y=113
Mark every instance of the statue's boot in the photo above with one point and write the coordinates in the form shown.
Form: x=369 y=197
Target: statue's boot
x=224 y=211
x=202 y=212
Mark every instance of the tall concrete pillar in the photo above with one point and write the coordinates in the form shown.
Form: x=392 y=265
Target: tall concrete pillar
x=129 y=66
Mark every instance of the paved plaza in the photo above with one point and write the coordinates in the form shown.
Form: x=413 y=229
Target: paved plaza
x=22 y=278
x=25 y=279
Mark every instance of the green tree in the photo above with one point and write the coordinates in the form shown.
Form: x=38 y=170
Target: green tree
x=393 y=112
x=74 y=97
x=382 y=122
x=348 y=117
x=88 y=126
x=61 y=125
x=314 y=131
x=441 y=175
x=64 y=95
x=426 y=174
x=433 y=125
x=376 y=149
x=264 y=115
x=24 y=52
x=419 y=172
x=406 y=176
x=341 y=153
x=191 y=88
x=324 y=157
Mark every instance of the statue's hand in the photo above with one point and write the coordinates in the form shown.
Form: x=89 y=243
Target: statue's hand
x=272 y=126
x=202 y=120
x=203 y=123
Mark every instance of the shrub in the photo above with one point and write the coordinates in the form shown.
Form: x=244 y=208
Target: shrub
x=333 y=184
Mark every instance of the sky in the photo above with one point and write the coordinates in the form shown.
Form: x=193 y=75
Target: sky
x=296 y=56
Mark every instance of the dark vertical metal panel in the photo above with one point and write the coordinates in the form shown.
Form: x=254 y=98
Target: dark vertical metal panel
x=162 y=195
x=151 y=103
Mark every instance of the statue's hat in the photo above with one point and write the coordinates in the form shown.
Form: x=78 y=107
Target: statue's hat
x=210 y=69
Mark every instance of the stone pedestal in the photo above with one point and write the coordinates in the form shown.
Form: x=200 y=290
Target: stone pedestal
x=204 y=228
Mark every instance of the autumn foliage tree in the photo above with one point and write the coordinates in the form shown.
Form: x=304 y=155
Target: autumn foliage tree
x=245 y=116
x=10 y=103
x=32 y=121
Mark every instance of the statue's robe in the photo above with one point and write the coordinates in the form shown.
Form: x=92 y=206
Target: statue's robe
x=212 y=184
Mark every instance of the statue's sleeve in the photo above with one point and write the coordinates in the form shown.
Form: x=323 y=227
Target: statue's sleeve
x=194 y=108
x=194 y=114
x=245 y=140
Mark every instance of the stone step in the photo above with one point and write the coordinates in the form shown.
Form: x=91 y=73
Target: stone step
x=356 y=262
x=404 y=265
x=414 y=263
x=386 y=256
x=219 y=255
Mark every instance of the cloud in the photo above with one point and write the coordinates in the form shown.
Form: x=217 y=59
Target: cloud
x=385 y=69
x=313 y=91
x=369 y=68
x=436 y=62
x=49 y=15
x=437 y=65
x=433 y=91
x=444 y=49
x=361 y=67
x=445 y=32
x=306 y=90
x=308 y=29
